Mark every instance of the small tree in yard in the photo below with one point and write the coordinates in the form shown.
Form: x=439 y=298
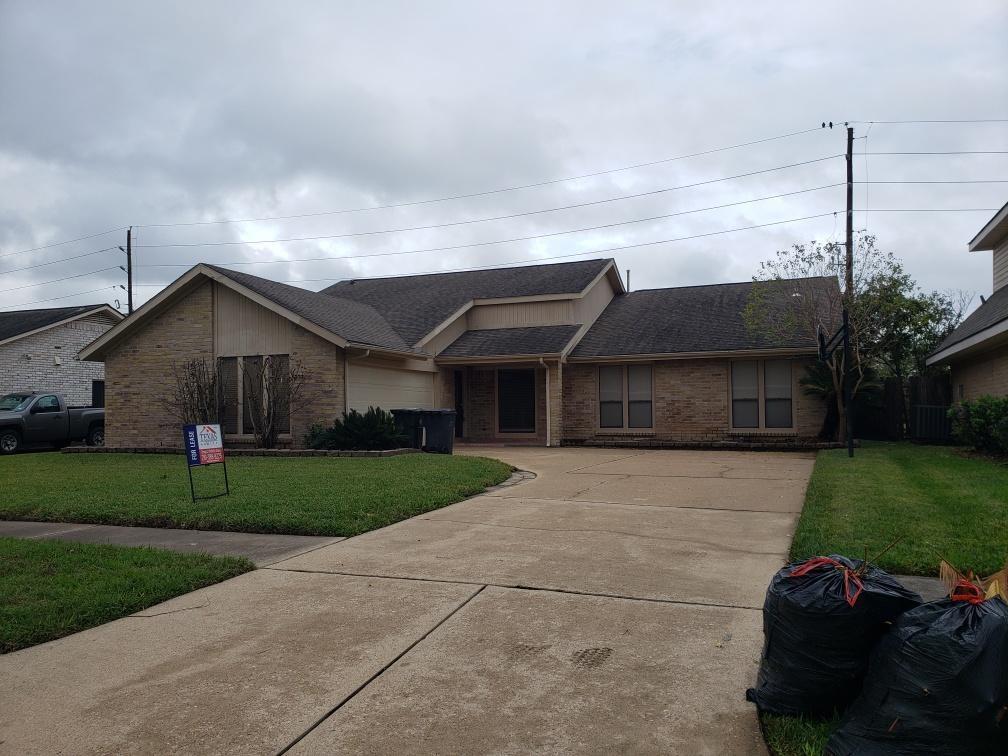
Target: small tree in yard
x=893 y=325
x=273 y=388
x=196 y=396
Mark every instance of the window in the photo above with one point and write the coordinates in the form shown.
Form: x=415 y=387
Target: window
x=761 y=394
x=610 y=396
x=241 y=389
x=745 y=395
x=625 y=396
x=777 y=393
x=47 y=404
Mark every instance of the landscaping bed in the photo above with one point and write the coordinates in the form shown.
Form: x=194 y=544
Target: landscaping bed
x=49 y=589
x=332 y=496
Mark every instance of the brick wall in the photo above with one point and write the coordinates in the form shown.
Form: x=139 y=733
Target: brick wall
x=140 y=375
x=690 y=403
x=324 y=397
x=986 y=373
x=481 y=407
x=139 y=372
x=30 y=364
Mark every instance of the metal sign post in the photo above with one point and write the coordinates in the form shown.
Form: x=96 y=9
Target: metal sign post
x=826 y=349
x=204 y=445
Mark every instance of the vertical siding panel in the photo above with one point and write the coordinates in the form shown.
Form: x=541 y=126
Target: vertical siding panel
x=243 y=327
x=1001 y=265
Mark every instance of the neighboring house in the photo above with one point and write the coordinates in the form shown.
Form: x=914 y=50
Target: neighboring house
x=38 y=351
x=544 y=354
x=977 y=351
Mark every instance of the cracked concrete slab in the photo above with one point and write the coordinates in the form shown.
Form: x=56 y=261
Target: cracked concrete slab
x=693 y=555
x=261 y=548
x=517 y=672
x=705 y=493
x=244 y=666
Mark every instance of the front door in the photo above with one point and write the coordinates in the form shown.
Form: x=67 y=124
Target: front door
x=459 y=402
x=516 y=401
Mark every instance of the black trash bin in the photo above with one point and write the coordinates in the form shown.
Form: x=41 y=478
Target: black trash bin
x=408 y=423
x=439 y=430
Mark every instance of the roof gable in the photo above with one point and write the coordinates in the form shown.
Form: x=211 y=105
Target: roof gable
x=19 y=323
x=987 y=315
x=353 y=321
x=415 y=305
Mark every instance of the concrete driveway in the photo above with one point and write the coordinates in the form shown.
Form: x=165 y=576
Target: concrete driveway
x=609 y=605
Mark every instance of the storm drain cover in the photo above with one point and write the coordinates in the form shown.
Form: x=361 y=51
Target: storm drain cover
x=590 y=657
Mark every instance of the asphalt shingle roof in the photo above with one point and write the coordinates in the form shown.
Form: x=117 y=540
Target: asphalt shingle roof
x=499 y=342
x=22 y=321
x=415 y=305
x=354 y=321
x=688 y=319
x=990 y=313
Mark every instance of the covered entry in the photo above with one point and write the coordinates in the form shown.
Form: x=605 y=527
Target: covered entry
x=516 y=400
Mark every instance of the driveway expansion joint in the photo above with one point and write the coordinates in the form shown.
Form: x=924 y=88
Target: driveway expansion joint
x=349 y=697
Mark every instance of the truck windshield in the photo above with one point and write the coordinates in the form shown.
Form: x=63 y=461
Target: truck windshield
x=14 y=402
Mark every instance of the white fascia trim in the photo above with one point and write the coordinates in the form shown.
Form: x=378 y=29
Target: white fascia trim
x=101 y=308
x=978 y=338
x=494 y=359
x=798 y=352
x=445 y=323
x=981 y=242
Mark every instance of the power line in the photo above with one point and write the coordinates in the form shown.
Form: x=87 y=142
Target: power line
x=68 y=241
x=491 y=218
x=53 y=299
x=54 y=262
x=940 y=152
x=489 y=191
x=496 y=241
x=538 y=260
x=941 y=120
x=57 y=280
x=931 y=210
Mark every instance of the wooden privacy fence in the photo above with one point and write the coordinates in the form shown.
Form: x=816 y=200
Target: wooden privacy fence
x=918 y=412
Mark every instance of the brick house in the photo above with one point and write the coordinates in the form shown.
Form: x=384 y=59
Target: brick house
x=543 y=354
x=39 y=348
x=977 y=351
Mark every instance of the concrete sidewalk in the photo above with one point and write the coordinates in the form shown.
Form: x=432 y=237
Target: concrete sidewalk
x=611 y=604
x=262 y=548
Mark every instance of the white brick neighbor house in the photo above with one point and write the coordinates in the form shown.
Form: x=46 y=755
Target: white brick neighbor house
x=39 y=351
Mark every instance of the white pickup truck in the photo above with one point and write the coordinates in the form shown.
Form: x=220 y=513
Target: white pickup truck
x=42 y=418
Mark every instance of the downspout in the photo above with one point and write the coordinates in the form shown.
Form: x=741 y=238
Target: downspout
x=546 y=367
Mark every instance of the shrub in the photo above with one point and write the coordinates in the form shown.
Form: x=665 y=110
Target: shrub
x=373 y=430
x=982 y=423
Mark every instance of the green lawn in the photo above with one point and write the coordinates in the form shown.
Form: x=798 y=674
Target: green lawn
x=49 y=589
x=940 y=500
x=335 y=496
x=796 y=736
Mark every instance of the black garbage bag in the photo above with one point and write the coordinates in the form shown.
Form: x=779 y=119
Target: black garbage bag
x=937 y=684
x=820 y=621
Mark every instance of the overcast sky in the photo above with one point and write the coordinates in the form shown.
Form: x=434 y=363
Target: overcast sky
x=114 y=114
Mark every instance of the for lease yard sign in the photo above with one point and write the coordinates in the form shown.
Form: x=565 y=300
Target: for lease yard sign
x=204 y=444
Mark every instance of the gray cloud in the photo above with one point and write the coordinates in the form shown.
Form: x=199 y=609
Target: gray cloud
x=131 y=114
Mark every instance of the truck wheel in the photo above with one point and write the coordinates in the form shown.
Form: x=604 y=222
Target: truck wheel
x=10 y=441
x=96 y=436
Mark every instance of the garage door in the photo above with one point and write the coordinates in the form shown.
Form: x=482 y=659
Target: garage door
x=389 y=388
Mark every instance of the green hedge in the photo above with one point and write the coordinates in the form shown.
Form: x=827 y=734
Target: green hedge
x=982 y=423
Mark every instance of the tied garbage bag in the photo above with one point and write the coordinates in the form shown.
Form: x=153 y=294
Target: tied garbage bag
x=820 y=621
x=937 y=684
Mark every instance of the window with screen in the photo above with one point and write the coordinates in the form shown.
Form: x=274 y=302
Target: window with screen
x=745 y=395
x=777 y=394
x=638 y=396
x=228 y=388
x=611 y=396
x=516 y=401
x=625 y=396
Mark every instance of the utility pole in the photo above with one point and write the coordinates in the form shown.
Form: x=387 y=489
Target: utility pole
x=129 y=250
x=849 y=272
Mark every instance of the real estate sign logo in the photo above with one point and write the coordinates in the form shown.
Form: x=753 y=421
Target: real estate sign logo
x=204 y=444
